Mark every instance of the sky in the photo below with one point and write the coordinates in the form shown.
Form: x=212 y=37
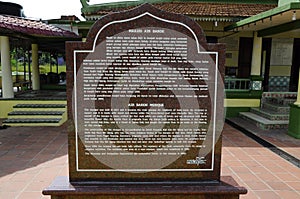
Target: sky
x=53 y=9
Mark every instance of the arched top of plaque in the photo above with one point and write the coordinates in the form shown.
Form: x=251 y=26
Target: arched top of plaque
x=144 y=16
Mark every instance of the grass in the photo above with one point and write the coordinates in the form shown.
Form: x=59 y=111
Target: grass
x=44 y=69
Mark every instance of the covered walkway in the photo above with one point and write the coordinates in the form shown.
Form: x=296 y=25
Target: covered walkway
x=32 y=37
x=31 y=157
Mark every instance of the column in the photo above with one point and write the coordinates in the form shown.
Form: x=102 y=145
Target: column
x=7 y=80
x=256 y=55
x=35 y=67
x=256 y=79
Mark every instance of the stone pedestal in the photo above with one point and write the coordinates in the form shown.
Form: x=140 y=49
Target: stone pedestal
x=227 y=188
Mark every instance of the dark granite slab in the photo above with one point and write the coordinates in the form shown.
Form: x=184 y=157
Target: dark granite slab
x=227 y=188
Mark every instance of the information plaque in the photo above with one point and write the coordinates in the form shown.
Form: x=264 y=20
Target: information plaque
x=145 y=100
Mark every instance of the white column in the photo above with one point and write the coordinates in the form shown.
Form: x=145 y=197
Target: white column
x=256 y=55
x=7 y=80
x=298 y=94
x=35 y=67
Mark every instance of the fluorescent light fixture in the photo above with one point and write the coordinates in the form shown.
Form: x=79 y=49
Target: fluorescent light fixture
x=294 y=17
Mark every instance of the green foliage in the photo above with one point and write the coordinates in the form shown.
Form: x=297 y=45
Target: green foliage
x=19 y=60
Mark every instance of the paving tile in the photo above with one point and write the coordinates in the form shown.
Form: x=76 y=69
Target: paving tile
x=250 y=195
x=58 y=162
x=287 y=194
x=226 y=171
x=29 y=195
x=267 y=176
x=20 y=177
x=267 y=194
x=249 y=177
x=256 y=168
x=296 y=174
x=9 y=195
x=64 y=172
x=240 y=169
x=235 y=163
x=295 y=185
x=257 y=185
x=287 y=177
x=276 y=168
x=37 y=186
x=5 y=178
x=250 y=163
x=292 y=169
x=251 y=151
x=16 y=186
x=275 y=185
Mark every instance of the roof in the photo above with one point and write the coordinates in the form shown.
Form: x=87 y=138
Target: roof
x=269 y=14
x=23 y=32
x=282 y=21
x=215 y=9
x=18 y=25
x=198 y=9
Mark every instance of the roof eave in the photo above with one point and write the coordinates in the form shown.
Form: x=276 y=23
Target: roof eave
x=216 y=18
x=264 y=15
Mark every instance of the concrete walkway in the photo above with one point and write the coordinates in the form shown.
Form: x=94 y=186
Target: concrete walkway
x=31 y=157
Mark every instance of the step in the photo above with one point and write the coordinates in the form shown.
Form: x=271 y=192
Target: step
x=271 y=115
x=281 y=101
x=39 y=107
x=276 y=108
x=264 y=123
x=35 y=114
x=33 y=122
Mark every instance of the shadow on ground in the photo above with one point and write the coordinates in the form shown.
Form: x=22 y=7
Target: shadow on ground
x=26 y=147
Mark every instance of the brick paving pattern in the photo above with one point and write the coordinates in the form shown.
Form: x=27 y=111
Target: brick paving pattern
x=262 y=172
x=31 y=157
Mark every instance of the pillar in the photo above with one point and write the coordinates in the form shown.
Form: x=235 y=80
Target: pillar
x=7 y=80
x=256 y=79
x=256 y=55
x=35 y=67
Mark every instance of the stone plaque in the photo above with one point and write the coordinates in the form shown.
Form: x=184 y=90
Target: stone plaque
x=145 y=100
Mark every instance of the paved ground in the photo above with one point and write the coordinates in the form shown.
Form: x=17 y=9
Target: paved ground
x=31 y=157
x=264 y=173
x=277 y=137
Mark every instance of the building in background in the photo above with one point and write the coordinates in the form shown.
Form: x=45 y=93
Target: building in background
x=263 y=43
x=23 y=44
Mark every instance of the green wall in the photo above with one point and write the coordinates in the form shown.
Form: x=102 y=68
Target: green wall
x=294 y=121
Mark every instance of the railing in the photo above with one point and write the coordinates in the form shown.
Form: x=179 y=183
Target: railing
x=237 y=84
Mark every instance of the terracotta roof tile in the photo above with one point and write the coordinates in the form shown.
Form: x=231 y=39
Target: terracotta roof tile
x=204 y=9
x=32 y=27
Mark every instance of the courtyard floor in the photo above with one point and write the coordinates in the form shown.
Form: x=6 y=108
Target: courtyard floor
x=31 y=157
